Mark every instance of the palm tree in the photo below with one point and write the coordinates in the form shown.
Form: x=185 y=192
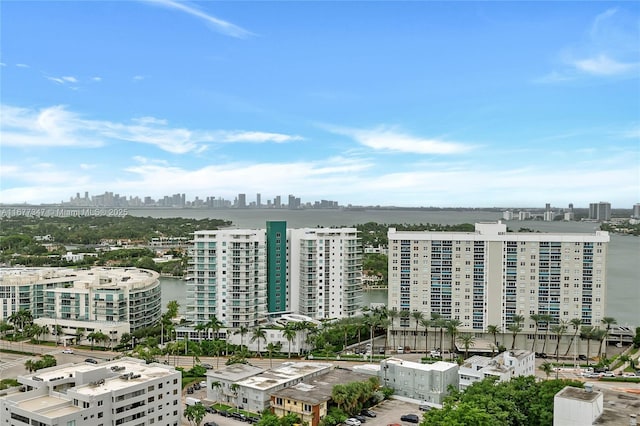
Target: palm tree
x=417 y=317
x=271 y=348
x=547 y=367
x=172 y=308
x=494 y=330
x=79 y=334
x=426 y=323
x=215 y=325
x=216 y=385
x=392 y=315
x=435 y=317
x=452 y=330
x=576 y=323
x=235 y=388
x=200 y=328
x=441 y=324
x=290 y=334
x=242 y=331
x=587 y=333
x=468 y=341
x=195 y=413
x=546 y=318
x=558 y=329
x=404 y=316
x=536 y=318
x=259 y=334
x=515 y=327
x=608 y=321
x=58 y=330
x=31 y=365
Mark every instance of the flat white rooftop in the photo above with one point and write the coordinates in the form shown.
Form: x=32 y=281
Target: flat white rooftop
x=436 y=366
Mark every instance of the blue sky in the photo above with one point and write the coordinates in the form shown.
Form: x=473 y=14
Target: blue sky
x=369 y=103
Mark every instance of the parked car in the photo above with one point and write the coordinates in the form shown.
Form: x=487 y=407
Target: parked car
x=253 y=420
x=541 y=355
x=608 y=374
x=238 y=416
x=91 y=361
x=352 y=422
x=189 y=390
x=203 y=384
x=424 y=407
x=67 y=351
x=362 y=419
x=411 y=418
x=582 y=357
x=223 y=413
x=210 y=424
x=207 y=366
x=196 y=386
x=368 y=413
x=211 y=410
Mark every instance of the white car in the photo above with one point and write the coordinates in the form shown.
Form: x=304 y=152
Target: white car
x=67 y=351
x=352 y=422
x=203 y=384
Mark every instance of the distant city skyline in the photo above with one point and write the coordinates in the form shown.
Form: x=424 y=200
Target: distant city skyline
x=600 y=210
x=366 y=103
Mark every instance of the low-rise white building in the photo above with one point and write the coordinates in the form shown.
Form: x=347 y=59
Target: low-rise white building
x=422 y=382
x=255 y=385
x=122 y=392
x=577 y=407
x=506 y=365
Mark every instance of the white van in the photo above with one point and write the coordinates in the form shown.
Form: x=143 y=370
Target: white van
x=192 y=401
x=400 y=350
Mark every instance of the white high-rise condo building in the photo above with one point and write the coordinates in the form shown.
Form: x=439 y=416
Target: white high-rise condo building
x=229 y=278
x=326 y=265
x=241 y=276
x=488 y=276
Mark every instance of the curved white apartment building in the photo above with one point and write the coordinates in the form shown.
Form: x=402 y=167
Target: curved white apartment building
x=111 y=300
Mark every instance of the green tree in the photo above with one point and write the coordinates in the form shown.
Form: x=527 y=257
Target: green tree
x=452 y=330
x=271 y=348
x=546 y=319
x=607 y=322
x=195 y=413
x=242 y=331
x=468 y=341
x=515 y=327
x=426 y=323
x=537 y=319
x=259 y=334
x=494 y=330
x=576 y=323
x=392 y=314
x=547 y=367
x=289 y=333
x=417 y=317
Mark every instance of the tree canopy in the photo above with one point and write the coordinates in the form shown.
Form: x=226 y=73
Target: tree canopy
x=520 y=402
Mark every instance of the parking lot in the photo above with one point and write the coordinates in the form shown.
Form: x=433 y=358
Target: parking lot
x=390 y=411
x=387 y=412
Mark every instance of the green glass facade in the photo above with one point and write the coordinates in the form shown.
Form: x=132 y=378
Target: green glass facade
x=277 y=266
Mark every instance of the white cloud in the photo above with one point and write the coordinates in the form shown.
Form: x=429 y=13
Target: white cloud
x=138 y=77
x=22 y=66
x=603 y=65
x=2 y=64
x=85 y=166
x=96 y=79
x=219 y=25
x=608 y=50
x=257 y=137
x=56 y=126
x=62 y=80
x=387 y=139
